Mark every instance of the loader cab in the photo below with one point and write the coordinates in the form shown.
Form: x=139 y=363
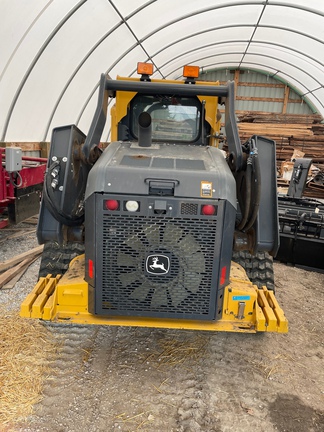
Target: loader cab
x=177 y=119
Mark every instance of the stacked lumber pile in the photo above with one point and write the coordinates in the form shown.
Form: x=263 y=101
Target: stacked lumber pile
x=303 y=133
x=12 y=269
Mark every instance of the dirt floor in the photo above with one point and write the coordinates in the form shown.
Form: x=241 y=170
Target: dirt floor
x=135 y=379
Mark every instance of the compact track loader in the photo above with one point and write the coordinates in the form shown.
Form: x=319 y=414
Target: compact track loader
x=162 y=228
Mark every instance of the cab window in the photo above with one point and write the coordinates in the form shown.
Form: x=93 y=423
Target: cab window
x=174 y=119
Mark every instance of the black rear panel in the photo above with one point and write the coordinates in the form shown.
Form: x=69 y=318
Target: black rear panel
x=158 y=265
x=301 y=227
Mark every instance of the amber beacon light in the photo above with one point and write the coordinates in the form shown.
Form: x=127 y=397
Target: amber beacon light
x=191 y=71
x=144 y=68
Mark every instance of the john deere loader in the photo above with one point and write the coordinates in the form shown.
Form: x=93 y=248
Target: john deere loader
x=161 y=228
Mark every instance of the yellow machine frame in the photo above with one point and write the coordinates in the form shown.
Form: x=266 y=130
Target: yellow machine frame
x=65 y=299
x=246 y=308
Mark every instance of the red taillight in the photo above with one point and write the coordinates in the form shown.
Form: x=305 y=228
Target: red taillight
x=90 y=268
x=223 y=276
x=208 y=210
x=112 y=205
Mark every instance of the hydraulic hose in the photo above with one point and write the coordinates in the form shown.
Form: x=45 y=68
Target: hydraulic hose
x=60 y=216
x=245 y=206
x=255 y=188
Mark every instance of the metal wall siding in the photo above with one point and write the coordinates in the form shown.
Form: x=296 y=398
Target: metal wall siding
x=260 y=92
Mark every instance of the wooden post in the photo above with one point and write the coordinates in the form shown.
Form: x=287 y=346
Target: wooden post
x=236 y=80
x=285 y=102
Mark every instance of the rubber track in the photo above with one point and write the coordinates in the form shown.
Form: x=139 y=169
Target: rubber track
x=56 y=258
x=259 y=267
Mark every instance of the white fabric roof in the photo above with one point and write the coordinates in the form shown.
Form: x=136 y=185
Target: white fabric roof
x=53 y=51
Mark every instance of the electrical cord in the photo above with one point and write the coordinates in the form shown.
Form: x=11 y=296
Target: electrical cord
x=13 y=182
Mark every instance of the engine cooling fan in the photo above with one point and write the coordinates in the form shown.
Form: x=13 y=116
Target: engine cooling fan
x=161 y=265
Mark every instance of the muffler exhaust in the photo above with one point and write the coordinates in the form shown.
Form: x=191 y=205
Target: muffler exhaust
x=145 y=130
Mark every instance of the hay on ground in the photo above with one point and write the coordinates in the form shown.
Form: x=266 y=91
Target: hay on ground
x=25 y=349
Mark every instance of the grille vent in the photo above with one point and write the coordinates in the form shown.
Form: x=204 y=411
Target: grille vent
x=129 y=245
x=189 y=209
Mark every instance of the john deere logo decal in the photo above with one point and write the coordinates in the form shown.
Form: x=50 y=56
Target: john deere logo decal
x=157 y=264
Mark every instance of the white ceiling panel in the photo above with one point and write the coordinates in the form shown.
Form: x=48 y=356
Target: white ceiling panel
x=53 y=51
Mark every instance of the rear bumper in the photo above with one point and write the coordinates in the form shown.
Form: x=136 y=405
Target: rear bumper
x=246 y=308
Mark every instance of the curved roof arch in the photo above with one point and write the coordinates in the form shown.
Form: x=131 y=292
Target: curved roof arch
x=53 y=51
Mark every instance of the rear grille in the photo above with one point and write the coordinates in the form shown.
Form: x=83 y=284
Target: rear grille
x=158 y=266
x=189 y=209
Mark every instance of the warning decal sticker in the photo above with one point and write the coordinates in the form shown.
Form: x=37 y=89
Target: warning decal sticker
x=206 y=189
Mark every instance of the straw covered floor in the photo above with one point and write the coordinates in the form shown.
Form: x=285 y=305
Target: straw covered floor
x=25 y=348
